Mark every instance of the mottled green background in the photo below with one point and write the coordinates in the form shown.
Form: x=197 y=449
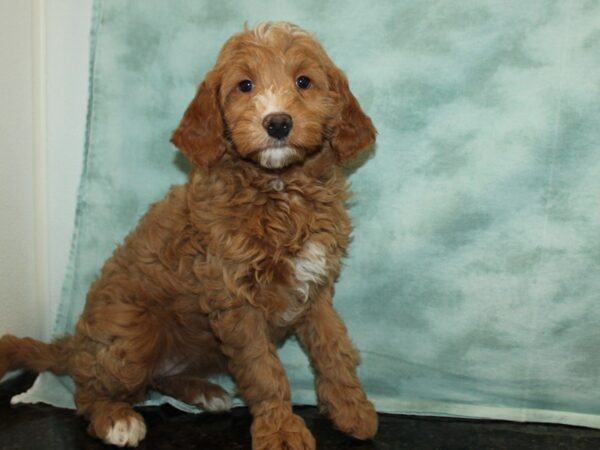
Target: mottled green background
x=472 y=285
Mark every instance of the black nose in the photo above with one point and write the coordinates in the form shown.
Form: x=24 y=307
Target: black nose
x=278 y=125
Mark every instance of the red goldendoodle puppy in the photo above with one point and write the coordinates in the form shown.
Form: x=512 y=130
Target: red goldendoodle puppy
x=228 y=264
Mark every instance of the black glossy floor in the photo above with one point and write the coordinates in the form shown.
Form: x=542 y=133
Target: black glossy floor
x=42 y=427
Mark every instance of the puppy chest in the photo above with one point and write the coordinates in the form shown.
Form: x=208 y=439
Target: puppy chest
x=302 y=242
x=310 y=270
x=279 y=250
x=310 y=267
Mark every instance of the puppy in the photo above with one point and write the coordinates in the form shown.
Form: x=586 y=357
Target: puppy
x=227 y=265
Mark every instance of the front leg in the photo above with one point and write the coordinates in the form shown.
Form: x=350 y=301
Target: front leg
x=323 y=335
x=260 y=380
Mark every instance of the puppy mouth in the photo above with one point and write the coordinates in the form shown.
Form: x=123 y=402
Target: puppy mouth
x=278 y=156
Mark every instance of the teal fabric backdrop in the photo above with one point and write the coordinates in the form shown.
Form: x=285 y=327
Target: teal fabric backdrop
x=472 y=285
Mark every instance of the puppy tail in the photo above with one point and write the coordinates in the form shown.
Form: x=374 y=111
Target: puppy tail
x=27 y=353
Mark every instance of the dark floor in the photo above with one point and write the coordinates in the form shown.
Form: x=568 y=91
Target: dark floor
x=43 y=427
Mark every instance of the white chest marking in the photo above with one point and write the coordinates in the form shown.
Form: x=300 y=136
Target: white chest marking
x=310 y=267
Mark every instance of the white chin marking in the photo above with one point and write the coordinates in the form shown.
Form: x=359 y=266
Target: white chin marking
x=277 y=157
x=128 y=432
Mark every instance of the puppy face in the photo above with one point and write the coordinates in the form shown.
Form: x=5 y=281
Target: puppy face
x=275 y=98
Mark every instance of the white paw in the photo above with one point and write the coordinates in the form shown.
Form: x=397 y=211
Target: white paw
x=215 y=404
x=126 y=432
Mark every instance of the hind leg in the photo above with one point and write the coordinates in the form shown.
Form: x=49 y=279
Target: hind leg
x=115 y=422
x=106 y=402
x=195 y=391
x=109 y=379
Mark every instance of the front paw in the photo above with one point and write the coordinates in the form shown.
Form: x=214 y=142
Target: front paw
x=358 y=419
x=276 y=432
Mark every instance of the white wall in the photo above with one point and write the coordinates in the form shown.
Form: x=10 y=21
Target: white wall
x=43 y=96
x=20 y=304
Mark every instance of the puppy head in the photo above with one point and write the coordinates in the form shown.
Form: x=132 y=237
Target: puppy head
x=276 y=98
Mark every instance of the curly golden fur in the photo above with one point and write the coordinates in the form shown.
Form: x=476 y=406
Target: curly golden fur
x=227 y=265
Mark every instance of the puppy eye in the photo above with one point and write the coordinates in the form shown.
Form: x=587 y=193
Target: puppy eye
x=245 y=85
x=303 y=82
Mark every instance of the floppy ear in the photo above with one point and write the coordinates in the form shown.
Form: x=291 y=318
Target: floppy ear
x=354 y=130
x=200 y=133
